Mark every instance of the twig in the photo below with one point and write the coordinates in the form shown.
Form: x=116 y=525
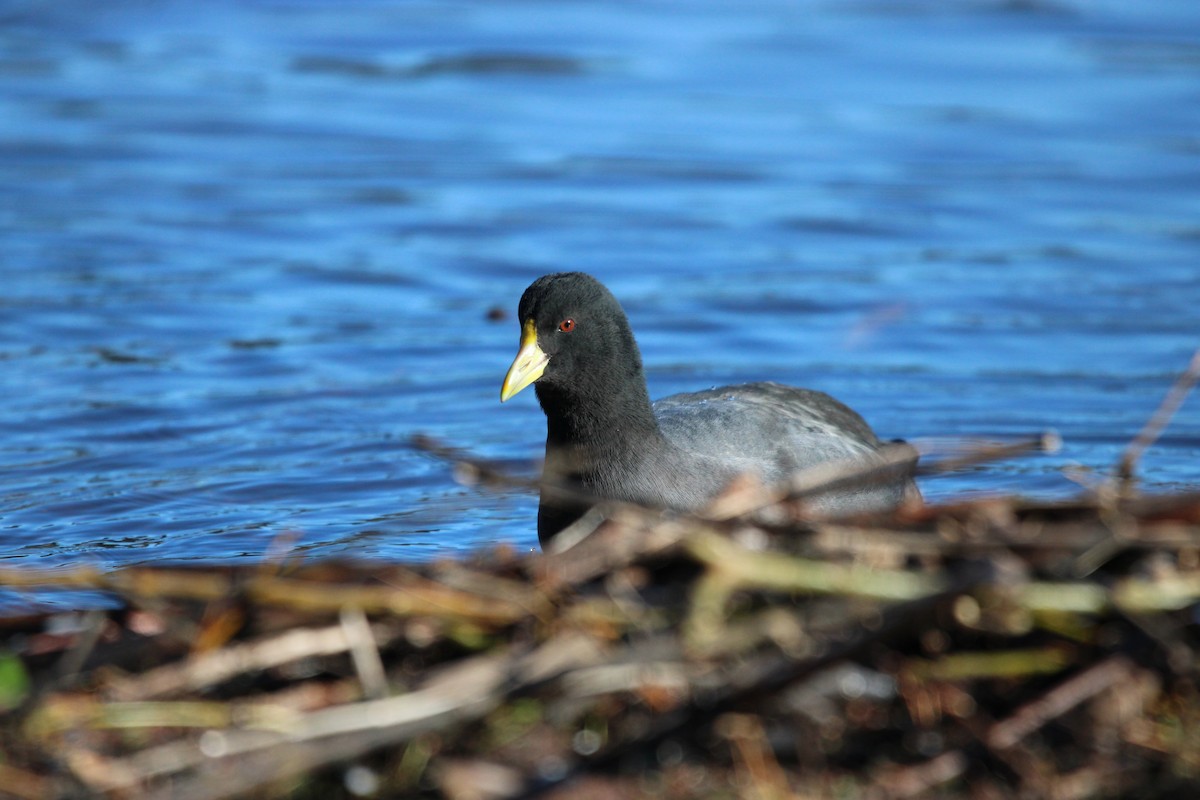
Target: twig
x=999 y=664
x=365 y=653
x=1058 y=701
x=1157 y=422
x=1044 y=442
x=777 y=572
x=471 y=470
x=73 y=660
x=917 y=779
x=216 y=667
x=753 y=757
x=879 y=465
x=813 y=481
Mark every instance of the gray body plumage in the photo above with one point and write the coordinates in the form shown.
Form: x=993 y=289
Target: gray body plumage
x=767 y=430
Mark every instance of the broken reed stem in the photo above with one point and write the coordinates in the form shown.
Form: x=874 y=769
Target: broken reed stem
x=1059 y=700
x=918 y=779
x=882 y=464
x=1044 y=442
x=204 y=670
x=1158 y=422
x=65 y=714
x=773 y=571
x=999 y=664
x=744 y=500
x=468 y=469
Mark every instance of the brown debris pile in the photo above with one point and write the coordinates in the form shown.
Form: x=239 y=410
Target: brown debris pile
x=986 y=649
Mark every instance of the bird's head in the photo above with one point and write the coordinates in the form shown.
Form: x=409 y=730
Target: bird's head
x=575 y=340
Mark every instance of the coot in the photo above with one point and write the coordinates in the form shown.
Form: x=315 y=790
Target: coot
x=605 y=437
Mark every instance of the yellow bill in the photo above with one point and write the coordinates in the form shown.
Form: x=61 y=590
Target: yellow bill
x=527 y=367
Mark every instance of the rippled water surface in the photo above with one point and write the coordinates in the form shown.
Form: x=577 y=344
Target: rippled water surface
x=250 y=249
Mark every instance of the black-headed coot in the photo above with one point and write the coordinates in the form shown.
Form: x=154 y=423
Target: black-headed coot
x=604 y=435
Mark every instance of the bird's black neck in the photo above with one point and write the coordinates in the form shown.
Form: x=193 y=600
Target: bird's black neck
x=590 y=434
x=598 y=421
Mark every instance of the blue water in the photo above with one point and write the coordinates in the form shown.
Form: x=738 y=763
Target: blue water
x=250 y=249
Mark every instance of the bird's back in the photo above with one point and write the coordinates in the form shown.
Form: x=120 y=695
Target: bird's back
x=774 y=430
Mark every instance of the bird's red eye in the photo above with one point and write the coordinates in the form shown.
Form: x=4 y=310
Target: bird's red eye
x=567 y=325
